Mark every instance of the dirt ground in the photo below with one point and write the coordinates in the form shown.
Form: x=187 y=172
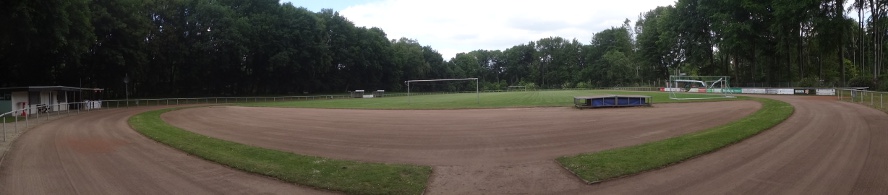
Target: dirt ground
x=453 y=137
x=473 y=151
x=98 y=153
x=826 y=147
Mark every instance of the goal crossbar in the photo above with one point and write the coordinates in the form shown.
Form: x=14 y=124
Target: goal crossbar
x=433 y=80
x=477 y=91
x=517 y=87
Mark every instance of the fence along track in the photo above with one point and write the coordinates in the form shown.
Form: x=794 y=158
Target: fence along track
x=873 y=99
x=14 y=123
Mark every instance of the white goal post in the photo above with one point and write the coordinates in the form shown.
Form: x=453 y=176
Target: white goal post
x=705 y=87
x=477 y=92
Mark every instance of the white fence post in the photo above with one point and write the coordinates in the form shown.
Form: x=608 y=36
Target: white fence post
x=839 y=94
x=853 y=94
x=861 y=95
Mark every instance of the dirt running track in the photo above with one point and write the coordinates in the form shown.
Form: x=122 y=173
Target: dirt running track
x=826 y=147
x=98 y=153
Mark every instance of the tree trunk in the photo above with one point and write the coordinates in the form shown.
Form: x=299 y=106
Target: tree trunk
x=754 y=64
x=875 y=12
x=800 y=50
x=861 y=36
x=789 y=57
x=727 y=65
x=840 y=15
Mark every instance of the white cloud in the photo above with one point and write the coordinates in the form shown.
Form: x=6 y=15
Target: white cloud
x=454 y=26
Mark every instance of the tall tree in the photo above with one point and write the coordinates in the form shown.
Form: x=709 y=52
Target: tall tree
x=43 y=41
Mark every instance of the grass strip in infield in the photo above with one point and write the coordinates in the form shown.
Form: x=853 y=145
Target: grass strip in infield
x=340 y=175
x=621 y=162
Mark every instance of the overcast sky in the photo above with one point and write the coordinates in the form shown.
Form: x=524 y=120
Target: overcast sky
x=455 y=26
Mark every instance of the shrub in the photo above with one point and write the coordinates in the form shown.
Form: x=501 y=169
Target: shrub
x=807 y=82
x=567 y=85
x=584 y=85
x=882 y=86
x=862 y=81
x=494 y=85
x=530 y=85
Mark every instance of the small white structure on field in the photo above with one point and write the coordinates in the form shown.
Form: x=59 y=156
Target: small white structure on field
x=45 y=98
x=379 y=93
x=363 y=94
x=357 y=94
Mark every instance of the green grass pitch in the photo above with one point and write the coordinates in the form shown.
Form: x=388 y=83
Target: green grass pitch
x=469 y=100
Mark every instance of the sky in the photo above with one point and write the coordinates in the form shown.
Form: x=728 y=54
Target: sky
x=456 y=26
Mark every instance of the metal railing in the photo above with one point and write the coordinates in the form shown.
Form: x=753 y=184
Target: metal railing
x=17 y=121
x=638 y=88
x=211 y=100
x=14 y=122
x=225 y=100
x=874 y=99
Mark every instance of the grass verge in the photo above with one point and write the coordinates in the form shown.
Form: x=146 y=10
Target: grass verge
x=872 y=99
x=620 y=162
x=340 y=175
x=9 y=119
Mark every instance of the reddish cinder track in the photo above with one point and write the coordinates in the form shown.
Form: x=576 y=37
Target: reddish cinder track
x=98 y=153
x=825 y=147
x=472 y=151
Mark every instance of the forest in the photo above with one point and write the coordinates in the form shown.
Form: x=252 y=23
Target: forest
x=180 y=48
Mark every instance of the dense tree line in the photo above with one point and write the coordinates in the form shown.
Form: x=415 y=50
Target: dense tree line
x=757 y=42
x=255 y=47
x=767 y=42
x=200 y=47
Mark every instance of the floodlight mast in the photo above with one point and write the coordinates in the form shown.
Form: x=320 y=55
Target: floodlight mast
x=477 y=90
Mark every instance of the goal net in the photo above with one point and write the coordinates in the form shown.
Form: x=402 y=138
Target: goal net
x=699 y=87
x=517 y=88
x=438 y=86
